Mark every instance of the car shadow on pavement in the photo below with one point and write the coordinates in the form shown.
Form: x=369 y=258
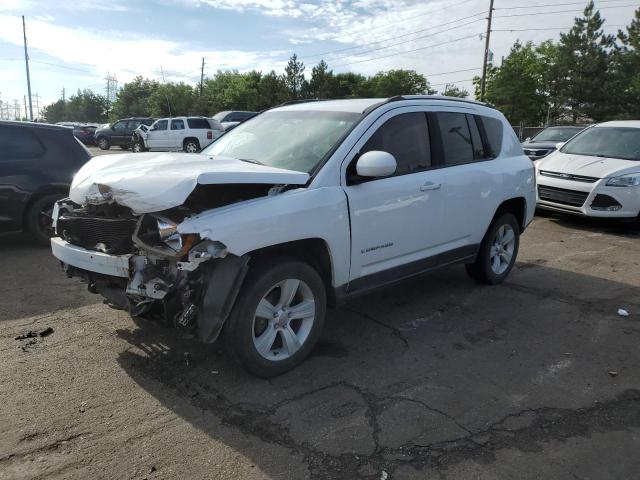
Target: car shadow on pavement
x=32 y=282
x=428 y=375
x=621 y=228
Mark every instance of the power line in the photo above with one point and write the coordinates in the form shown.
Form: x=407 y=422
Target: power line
x=554 y=5
x=395 y=37
x=548 y=28
x=453 y=71
x=453 y=82
x=560 y=11
x=406 y=41
x=410 y=51
x=367 y=30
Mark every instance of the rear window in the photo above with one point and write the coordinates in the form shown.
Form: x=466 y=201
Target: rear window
x=201 y=123
x=19 y=143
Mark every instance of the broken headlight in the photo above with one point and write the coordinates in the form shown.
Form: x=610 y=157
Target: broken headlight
x=168 y=232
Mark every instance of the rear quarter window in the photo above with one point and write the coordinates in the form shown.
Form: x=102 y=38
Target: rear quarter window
x=199 y=123
x=493 y=133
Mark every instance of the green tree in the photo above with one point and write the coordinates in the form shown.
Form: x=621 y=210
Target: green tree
x=172 y=99
x=294 y=77
x=272 y=90
x=626 y=70
x=451 y=90
x=321 y=84
x=350 y=85
x=85 y=106
x=133 y=99
x=515 y=87
x=584 y=59
x=398 y=82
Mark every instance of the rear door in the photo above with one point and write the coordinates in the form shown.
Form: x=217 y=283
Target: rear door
x=21 y=154
x=119 y=133
x=470 y=181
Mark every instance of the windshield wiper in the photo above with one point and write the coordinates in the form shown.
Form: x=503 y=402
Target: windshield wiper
x=251 y=160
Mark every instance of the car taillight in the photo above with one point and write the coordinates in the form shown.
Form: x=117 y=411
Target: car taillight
x=209 y=135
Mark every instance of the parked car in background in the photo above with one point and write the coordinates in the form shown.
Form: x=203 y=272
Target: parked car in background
x=302 y=207
x=188 y=134
x=596 y=173
x=119 y=133
x=230 y=119
x=37 y=164
x=545 y=142
x=85 y=133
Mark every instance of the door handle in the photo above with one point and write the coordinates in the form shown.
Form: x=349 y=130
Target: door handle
x=430 y=186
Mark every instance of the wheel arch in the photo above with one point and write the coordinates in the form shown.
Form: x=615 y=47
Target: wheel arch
x=186 y=139
x=314 y=251
x=516 y=206
x=41 y=192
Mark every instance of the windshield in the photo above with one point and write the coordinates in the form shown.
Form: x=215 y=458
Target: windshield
x=555 y=134
x=220 y=115
x=614 y=142
x=294 y=140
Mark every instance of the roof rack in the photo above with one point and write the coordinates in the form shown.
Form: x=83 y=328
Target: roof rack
x=398 y=98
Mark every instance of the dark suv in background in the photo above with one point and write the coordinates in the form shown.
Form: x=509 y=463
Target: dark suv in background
x=120 y=132
x=37 y=164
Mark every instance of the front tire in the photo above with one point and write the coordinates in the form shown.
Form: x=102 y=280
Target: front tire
x=103 y=143
x=498 y=251
x=277 y=318
x=137 y=147
x=39 y=219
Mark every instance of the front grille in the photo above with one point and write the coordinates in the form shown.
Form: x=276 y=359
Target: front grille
x=560 y=195
x=569 y=176
x=110 y=235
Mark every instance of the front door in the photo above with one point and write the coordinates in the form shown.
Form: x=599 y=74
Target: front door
x=393 y=219
x=157 y=136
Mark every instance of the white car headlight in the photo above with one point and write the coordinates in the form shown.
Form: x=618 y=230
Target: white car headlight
x=631 y=180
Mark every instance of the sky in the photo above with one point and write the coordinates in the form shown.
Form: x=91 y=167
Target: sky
x=76 y=44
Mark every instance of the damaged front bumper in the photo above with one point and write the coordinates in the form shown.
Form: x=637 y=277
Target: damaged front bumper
x=194 y=287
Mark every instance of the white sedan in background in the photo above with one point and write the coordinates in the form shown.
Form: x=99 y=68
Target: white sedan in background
x=595 y=174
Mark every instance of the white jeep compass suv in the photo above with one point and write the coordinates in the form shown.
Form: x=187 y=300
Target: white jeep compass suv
x=297 y=209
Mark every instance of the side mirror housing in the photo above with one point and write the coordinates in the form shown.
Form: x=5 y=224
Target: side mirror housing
x=527 y=139
x=559 y=145
x=376 y=164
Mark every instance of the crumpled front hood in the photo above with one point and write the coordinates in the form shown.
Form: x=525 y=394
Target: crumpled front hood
x=586 y=165
x=151 y=182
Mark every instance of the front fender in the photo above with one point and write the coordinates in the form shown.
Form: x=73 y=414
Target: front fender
x=293 y=215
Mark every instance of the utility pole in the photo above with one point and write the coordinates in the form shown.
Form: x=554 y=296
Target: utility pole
x=63 y=97
x=37 y=105
x=201 y=76
x=25 y=107
x=26 y=61
x=486 y=52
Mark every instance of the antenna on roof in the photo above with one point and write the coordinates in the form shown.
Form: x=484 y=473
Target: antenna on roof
x=165 y=93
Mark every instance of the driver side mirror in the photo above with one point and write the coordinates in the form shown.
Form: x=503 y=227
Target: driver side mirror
x=559 y=145
x=376 y=164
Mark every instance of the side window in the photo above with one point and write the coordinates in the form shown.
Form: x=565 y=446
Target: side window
x=160 y=125
x=147 y=121
x=177 y=124
x=119 y=126
x=455 y=138
x=493 y=132
x=406 y=137
x=18 y=143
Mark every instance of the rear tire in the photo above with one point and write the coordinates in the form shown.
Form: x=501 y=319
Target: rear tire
x=498 y=251
x=277 y=318
x=39 y=220
x=191 y=145
x=103 y=143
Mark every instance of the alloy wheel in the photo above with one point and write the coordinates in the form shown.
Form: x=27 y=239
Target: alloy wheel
x=283 y=319
x=502 y=249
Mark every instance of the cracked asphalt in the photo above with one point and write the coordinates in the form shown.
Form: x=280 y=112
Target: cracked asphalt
x=438 y=377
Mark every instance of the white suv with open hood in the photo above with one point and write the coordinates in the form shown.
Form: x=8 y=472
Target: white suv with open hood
x=297 y=209
x=596 y=173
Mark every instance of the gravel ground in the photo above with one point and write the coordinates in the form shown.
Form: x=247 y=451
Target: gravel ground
x=538 y=378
